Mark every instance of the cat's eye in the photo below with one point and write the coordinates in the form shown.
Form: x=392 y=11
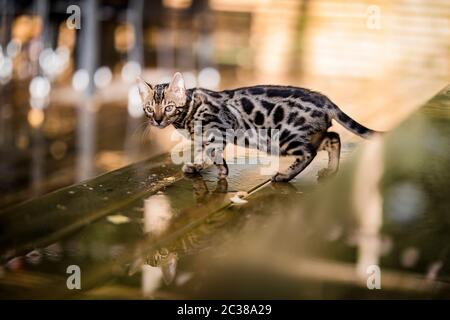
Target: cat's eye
x=169 y=108
x=149 y=110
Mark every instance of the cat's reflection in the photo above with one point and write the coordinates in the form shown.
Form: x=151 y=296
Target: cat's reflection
x=201 y=192
x=158 y=217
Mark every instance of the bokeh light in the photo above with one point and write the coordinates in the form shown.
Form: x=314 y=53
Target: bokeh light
x=134 y=102
x=39 y=87
x=209 y=78
x=13 y=48
x=6 y=69
x=130 y=71
x=80 y=80
x=102 y=77
x=36 y=117
x=52 y=62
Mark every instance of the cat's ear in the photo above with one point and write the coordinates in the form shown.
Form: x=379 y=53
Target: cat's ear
x=144 y=89
x=177 y=88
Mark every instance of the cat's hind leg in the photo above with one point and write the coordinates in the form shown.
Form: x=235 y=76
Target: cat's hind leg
x=304 y=157
x=332 y=144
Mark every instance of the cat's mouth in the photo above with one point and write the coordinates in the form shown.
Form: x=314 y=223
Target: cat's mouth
x=160 y=125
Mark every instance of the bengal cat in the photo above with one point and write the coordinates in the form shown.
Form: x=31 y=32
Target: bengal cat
x=301 y=117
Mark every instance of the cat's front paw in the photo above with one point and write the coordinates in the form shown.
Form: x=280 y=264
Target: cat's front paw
x=192 y=168
x=281 y=177
x=223 y=172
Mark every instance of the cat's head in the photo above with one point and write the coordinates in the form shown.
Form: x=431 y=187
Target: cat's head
x=163 y=103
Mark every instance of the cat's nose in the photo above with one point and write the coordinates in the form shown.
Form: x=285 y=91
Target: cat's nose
x=158 y=121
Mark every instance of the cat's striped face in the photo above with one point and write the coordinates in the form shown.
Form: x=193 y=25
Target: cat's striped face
x=163 y=103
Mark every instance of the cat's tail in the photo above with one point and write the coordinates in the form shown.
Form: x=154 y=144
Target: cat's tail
x=352 y=125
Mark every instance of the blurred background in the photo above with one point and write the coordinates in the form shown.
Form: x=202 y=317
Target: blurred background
x=69 y=108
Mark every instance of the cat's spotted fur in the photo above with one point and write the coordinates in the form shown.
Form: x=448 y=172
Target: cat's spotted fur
x=302 y=117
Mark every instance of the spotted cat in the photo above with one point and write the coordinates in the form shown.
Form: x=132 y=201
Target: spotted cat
x=301 y=116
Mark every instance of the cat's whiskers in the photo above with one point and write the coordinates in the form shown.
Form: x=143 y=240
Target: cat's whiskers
x=145 y=133
x=139 y=127
x=143 y=129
